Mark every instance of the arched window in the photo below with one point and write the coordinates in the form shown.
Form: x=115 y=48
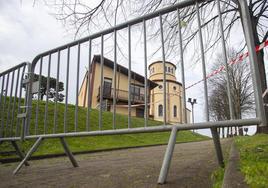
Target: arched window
x=175 y=111
x=160 y=110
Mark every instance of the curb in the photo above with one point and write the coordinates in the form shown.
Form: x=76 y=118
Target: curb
x=233 y=178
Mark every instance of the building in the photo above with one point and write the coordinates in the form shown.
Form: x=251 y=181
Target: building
x=121 y=90
x=137 y=88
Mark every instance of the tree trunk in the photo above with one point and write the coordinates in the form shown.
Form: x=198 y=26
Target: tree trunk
x=260 y=56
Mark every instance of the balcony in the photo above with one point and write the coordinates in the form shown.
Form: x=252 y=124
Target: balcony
x=121 y=95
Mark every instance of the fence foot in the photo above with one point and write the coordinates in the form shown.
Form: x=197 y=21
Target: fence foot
x=28 y=155
x=217 y=144
x=168 y=156
x=19 y=152
x=68 y=152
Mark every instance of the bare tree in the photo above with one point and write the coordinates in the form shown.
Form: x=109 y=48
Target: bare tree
x=240 y=87
x=84 y=17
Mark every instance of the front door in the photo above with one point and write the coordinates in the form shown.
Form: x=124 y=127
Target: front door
x=140 y=112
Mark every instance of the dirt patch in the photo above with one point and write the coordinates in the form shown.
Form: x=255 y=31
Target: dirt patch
x=191 y=166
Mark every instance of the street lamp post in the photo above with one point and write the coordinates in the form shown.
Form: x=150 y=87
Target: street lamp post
x=192 y=102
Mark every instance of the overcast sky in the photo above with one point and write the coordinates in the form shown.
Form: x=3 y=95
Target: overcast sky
x=26 y=31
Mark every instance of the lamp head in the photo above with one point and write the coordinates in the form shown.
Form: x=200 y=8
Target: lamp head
x=189 y=99
x=194 y=101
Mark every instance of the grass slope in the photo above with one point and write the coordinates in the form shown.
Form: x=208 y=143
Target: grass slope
x=52 y=146
x=254 y=159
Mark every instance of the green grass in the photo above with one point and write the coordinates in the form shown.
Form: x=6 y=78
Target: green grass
x=217 y=177
x=254 y=159
x=77 y=144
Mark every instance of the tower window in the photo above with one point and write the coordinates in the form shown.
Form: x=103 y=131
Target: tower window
x=174 y=87
x=160 y=110
x=152 y=70
x=160 y=86
x=175 y=111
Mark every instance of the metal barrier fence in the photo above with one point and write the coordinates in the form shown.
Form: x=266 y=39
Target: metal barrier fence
x=12 y=101
x=50 y=118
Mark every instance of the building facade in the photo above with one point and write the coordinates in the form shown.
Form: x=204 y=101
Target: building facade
x=174 y=112
x=120 y=86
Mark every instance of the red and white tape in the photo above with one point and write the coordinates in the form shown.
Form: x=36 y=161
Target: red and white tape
x=235 y=61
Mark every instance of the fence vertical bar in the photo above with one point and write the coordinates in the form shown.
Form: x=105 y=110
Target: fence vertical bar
x=114 y=79
x=3 y=108
x=38 y=96
x=9 y=103
x=231 y=108
x=15 y=100
x=89 y=86
x=4 y=104
x=23 y=128
x=1 y=101
x=57 y=95
x=19 y=101
x=164 y=70
x=182 y=69
x=129 y=76
x=213 y=130
x=2 y=89
x=145 y=76
x=101 y=84
x=47 y=93
x=203 y=61
x=247 y=25
x=28 y=104
x=66 y=91
x=77 y=88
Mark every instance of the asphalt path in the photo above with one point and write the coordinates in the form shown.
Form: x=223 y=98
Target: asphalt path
x=191 y=166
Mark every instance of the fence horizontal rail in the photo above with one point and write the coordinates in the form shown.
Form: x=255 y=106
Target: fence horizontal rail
x=161 y=128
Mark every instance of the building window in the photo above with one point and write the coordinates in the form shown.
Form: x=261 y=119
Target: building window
x=160 y=86
x=169 y=69
x=160 y=110
x=107 y=87
x=137 y=92
x=174 y=88
x=175 y=111
x=152 y=70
